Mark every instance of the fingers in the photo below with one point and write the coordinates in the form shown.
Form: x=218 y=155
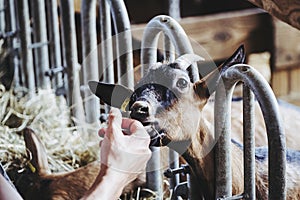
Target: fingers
x=102 y=132
x=131 y=125
x=136 y=130
x=116 y=123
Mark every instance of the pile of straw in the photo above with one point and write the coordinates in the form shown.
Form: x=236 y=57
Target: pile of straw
x=49 y=116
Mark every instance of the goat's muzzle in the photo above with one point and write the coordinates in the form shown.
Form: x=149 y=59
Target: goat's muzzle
x=141 y=111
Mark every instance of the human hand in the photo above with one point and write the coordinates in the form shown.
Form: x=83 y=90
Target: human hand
x=125 y=152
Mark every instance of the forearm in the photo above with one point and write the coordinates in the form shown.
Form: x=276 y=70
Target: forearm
x=7 y=191
x=108 y=185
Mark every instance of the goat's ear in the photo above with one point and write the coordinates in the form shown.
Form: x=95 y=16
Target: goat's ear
x=237 y=57
x=37 y=150
x=207 y=85
x=112 y=94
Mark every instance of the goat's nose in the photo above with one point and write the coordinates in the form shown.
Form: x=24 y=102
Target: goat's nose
x=140 y=110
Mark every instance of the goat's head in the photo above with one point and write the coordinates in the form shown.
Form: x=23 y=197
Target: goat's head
x=165 y=100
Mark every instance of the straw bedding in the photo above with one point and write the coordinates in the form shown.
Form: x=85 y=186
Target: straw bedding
x=49 y=116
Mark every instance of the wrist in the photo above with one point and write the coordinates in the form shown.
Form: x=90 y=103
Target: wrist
x=109 y=184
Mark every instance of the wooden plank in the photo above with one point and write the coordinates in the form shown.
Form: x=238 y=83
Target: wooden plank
x=295 y=81
x=287 y=45
x=221 y=34
x=280 y=83
x=286 y=10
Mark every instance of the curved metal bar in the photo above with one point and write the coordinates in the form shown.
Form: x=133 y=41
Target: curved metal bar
x=124 y=42
x=249 y=143
x=90 y=58
x=40 y=36
x=174 y=31
x=276 y=138
x=222 y=120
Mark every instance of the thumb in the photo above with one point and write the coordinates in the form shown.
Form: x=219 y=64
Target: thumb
x=115 y=117
x=114 y=123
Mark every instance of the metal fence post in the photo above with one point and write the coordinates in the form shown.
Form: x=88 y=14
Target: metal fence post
x=41 y=42
x=71 y=59
x=223 y=146
x=124 y=42
x=11 y=26
x=107 y=65
x=174 y=9
x=54 y=41
x=90 y=58
x=26 y=52
x=2 y=16
x=169 y=54
x=249 y=143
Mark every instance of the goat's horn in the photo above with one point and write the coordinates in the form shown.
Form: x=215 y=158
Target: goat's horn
x=186 y=60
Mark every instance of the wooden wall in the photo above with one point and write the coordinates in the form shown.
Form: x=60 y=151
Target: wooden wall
x=220 y=34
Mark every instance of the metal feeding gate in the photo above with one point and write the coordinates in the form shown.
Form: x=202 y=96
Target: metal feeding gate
x=51 y=61
x=253 y=81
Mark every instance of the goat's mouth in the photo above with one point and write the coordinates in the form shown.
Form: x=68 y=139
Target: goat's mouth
x=158 y=135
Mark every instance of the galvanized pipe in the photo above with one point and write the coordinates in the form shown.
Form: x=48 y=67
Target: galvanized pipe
x=71 y=59
x=174 y=9
x=174 y=31
x=154 y=175
x=124 y=42
x=12 y=41
x=25 y=39
x=169 y=54
x=40 y=36
x=90 y=58
x=2 y=17
x=249 y=143
x=223 y=174
x=107 y=63
x=54 y=41
x=276 y=138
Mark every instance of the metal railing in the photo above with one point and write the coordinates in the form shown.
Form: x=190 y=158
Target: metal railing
x=253 y=81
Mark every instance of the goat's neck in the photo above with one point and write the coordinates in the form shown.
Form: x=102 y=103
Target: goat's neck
x=200 y=157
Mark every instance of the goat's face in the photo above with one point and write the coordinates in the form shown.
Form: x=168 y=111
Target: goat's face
x=165 y=100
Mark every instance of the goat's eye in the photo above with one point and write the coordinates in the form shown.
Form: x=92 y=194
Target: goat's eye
x=182 y=83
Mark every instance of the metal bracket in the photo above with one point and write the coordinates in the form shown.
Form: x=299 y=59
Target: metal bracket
x=181 y=190
x=185 y=169
x=53 y=71
x=235 y=197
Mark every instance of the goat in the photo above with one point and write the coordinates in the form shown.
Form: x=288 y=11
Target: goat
x=170 y=107
x=40 y=183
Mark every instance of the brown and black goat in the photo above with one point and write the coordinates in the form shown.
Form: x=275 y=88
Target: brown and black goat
x=170 y=106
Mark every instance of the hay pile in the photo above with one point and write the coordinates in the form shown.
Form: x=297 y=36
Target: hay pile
x=49 y=116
